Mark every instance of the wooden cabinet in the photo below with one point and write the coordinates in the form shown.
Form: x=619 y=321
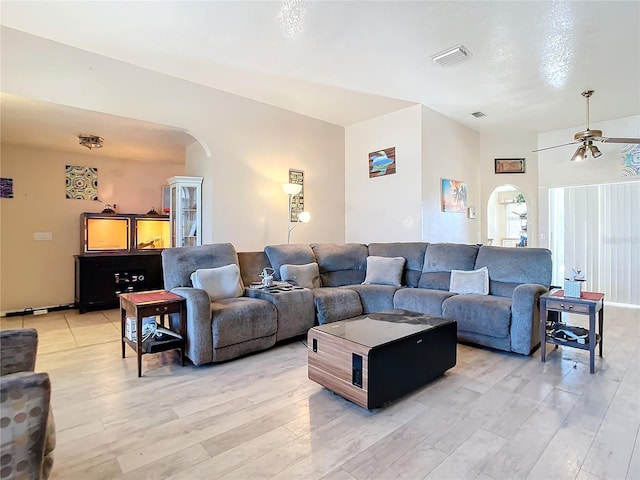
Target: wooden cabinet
x=100 y=278
x=186 y=211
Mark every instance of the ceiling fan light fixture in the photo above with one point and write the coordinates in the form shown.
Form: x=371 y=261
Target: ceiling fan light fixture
x=90 y=141
x=595 y=151
x=580 y=155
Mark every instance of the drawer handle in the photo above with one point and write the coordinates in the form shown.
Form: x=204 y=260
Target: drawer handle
x=162 y=309
x=566 y=306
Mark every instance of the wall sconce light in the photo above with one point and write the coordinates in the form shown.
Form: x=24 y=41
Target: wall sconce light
x=292 y=189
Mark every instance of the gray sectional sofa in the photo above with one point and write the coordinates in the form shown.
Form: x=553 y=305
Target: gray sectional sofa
x=506 y=318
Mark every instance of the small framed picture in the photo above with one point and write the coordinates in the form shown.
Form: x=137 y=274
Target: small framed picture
x=509 y=165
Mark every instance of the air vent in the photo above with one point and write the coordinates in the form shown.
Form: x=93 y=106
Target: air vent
x=451 y=55
x=479 y=114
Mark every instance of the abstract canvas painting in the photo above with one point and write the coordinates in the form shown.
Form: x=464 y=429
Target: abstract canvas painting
x=6 y=187
x=382 y=162
x=81 y=182
x=454 y=196
x=297 y=201
x=630 y=160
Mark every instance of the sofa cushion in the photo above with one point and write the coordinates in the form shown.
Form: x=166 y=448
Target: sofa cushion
x=306 y=276
x=423 y=300
x=179 y=263
x=219 y=282
x=441 y=258
x=288 y=254
x=475 y=282
x=384 y=270
x=341 y=264
x=484 y=314
x=333 y=304
x=412 y=251
x=374 y=298
x=237 y=320
x=511 y=267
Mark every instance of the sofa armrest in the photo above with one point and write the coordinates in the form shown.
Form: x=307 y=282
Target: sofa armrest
x=199 y=347
x=18 y=350
x=525 y=317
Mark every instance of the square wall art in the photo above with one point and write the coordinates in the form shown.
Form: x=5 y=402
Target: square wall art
x=382 y=162
x=81 y=182
x=454 y=196
x=6 y=187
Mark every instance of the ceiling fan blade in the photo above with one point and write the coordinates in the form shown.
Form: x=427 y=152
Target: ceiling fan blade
x=631 y=141
x=556 y=146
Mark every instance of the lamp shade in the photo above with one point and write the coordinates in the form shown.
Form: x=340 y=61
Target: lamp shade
x=580 y=154
x=595 y=151
x=291 y=188
x=304 y=217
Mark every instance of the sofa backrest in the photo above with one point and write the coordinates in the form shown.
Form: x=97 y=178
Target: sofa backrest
x=288 y=254
x=179 y=263
x=341 y=264
x=441 y=258
x=412 y=251
x=510 y=267
x=251 y=265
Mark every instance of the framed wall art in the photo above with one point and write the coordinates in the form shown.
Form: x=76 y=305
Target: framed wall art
x=297 y=201
x=454 y=196
x=509 y=165
x=382 y=162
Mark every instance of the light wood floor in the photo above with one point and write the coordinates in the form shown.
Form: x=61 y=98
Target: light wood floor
x=494 y=416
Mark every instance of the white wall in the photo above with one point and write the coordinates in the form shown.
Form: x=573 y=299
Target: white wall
x=449 y=150
x=510 y=145
x=252 y=144
x=387 y=208
x=556 y=169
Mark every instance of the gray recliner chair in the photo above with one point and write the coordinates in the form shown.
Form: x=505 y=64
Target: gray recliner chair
x=222 y=329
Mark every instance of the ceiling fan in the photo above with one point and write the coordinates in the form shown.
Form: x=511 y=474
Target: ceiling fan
x=586 y=138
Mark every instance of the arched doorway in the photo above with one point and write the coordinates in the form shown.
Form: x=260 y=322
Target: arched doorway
x=507 y=217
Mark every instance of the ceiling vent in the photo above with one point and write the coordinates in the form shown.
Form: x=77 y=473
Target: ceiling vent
x=451 y=55
x=479 y=114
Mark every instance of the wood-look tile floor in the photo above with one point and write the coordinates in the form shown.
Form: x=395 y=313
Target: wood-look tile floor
x=494 y=416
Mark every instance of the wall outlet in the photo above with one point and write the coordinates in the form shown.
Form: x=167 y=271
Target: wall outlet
x=542 y=236
x=43 y=236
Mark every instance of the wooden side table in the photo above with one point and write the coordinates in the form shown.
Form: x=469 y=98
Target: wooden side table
x=589 y=303
x=150 y=304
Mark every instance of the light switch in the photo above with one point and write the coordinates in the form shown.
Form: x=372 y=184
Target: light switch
x=43 y=236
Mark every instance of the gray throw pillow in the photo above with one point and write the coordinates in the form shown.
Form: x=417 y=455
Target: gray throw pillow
x=384 y=270
x=470 y=281
x=219 y=283
x=306 y=276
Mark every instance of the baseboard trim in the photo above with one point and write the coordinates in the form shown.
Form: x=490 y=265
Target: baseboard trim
x=38 y=311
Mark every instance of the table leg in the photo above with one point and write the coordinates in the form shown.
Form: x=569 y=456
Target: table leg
x=600 y=326
x=139 y=341
x=543 y=331
x=183 y=329
x=592 y=341
x=123 y=319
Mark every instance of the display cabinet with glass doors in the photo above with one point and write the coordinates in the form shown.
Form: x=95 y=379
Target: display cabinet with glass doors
x=186 y=211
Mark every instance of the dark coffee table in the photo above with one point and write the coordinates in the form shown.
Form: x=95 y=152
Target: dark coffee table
x=376 y=358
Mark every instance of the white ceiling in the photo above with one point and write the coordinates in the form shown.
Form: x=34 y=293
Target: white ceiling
x=353 y=60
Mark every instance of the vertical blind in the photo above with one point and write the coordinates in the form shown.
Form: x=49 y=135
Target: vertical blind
x=596 y=229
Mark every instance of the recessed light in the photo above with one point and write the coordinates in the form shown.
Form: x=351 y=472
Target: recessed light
x=451 y=55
